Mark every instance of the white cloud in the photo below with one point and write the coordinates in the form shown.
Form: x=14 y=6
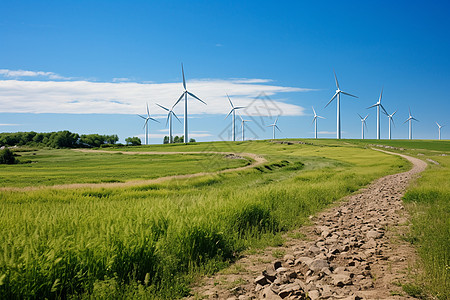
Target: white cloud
x=23 y=73
x=120 y=97
x=10 y=124
x=326 y=132
x=121 y=79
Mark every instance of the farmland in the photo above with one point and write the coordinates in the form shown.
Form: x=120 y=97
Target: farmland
x=151 y=240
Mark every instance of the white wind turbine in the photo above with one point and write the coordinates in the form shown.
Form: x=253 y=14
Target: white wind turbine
x=315 y=120
x=243 y=126
x=274 y=125
x=411 y=118
x=439 y=126
x=378 y=105
x=363 y=123
x=169 y=120
x=146 y=124
x=338 y=95
x=185 y=95
x=233 y=111
x=391 y=119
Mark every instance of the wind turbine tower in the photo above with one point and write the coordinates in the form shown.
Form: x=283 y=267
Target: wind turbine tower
x=274 y=125
x=169 y=120
x=146 y=123
x=410 y=119
x=315 y=120
x=439 y=126
x=233 y=111
x=243 y=126
x=378 y=105
x=338 y=96
x=185 y=96
x=391 y=120
x=363 y=123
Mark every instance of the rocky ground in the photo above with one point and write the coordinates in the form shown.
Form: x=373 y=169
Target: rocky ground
x=354 y=250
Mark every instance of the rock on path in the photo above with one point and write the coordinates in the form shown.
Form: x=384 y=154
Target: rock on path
x=348 y=254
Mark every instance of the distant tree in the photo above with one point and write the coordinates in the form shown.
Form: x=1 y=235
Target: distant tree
x=7 y=157
x=191 y=140
x=63 y=139
x=133 y=141
x=166 y=140
x=112 y=139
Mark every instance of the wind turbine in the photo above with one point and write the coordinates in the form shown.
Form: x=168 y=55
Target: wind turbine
x=363 y=122
x=146 y=124
x=169 y=120
x=391 y=119
x=243 y=126
x=233 y=110
x=185 y=95
x=439 y=126
x=338 y=95
x=274 y=125
x=315 y=120
x=378 y=105
x=410 y=123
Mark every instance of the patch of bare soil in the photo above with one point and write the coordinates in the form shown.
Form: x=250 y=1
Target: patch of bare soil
x=353 y=250
x=257 y=160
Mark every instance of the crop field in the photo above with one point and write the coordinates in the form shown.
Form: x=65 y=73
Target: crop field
x=150 y=241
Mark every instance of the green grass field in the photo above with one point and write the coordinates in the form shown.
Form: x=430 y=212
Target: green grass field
x=59 y=166
x=150 y=241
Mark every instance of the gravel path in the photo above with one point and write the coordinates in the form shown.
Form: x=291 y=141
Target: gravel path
x=352 y=251
x=257 y=160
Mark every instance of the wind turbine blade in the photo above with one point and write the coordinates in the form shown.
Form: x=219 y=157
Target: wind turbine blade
x=277 y=128
x=145 y=124
x=331 y=100
x=142 y=117
x=313 y=120
x=276 y=120
x=393 y=113
x=148 y=112
x=376 y=104
x=241 y=117
x=349 y=94
x=365 y=124
x=321 y=117
x=196 y=97
x=360 y=116
x=313 y=110
x=409 y=108
x=412 y=118
x=229 y=113
x=154 y=120
x=179 y=99
x=166 y=109
x=366 y=117
x=175 y=116
x=384 y=110
x=381 y=95
x=393 y=123
x=406 y=121
x=239 y=107
x=335 y=78
x=184 y=80
x=229 y=100
x=167 y=120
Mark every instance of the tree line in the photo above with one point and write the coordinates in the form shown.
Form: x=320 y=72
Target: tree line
x=58 y=139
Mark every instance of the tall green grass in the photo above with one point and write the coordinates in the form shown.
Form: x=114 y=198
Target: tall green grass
x=150 y=241
x=429 y=203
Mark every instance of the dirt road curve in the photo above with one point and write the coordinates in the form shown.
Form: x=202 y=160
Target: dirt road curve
x=257 y=160
x=353 y=251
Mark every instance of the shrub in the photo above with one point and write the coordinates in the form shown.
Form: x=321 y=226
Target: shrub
x=7 y=157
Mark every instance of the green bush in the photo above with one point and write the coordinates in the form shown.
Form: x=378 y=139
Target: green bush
x=7 y=157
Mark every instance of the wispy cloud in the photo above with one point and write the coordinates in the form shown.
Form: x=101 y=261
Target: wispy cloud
x=23 y=73
x=126 y=97
x=121 y=79
x=10 y=124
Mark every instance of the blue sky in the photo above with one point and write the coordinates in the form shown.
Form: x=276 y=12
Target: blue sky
x=91 y=66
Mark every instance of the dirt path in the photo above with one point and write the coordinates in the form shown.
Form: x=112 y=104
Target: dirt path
x=257 y=160
x=352 y=251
